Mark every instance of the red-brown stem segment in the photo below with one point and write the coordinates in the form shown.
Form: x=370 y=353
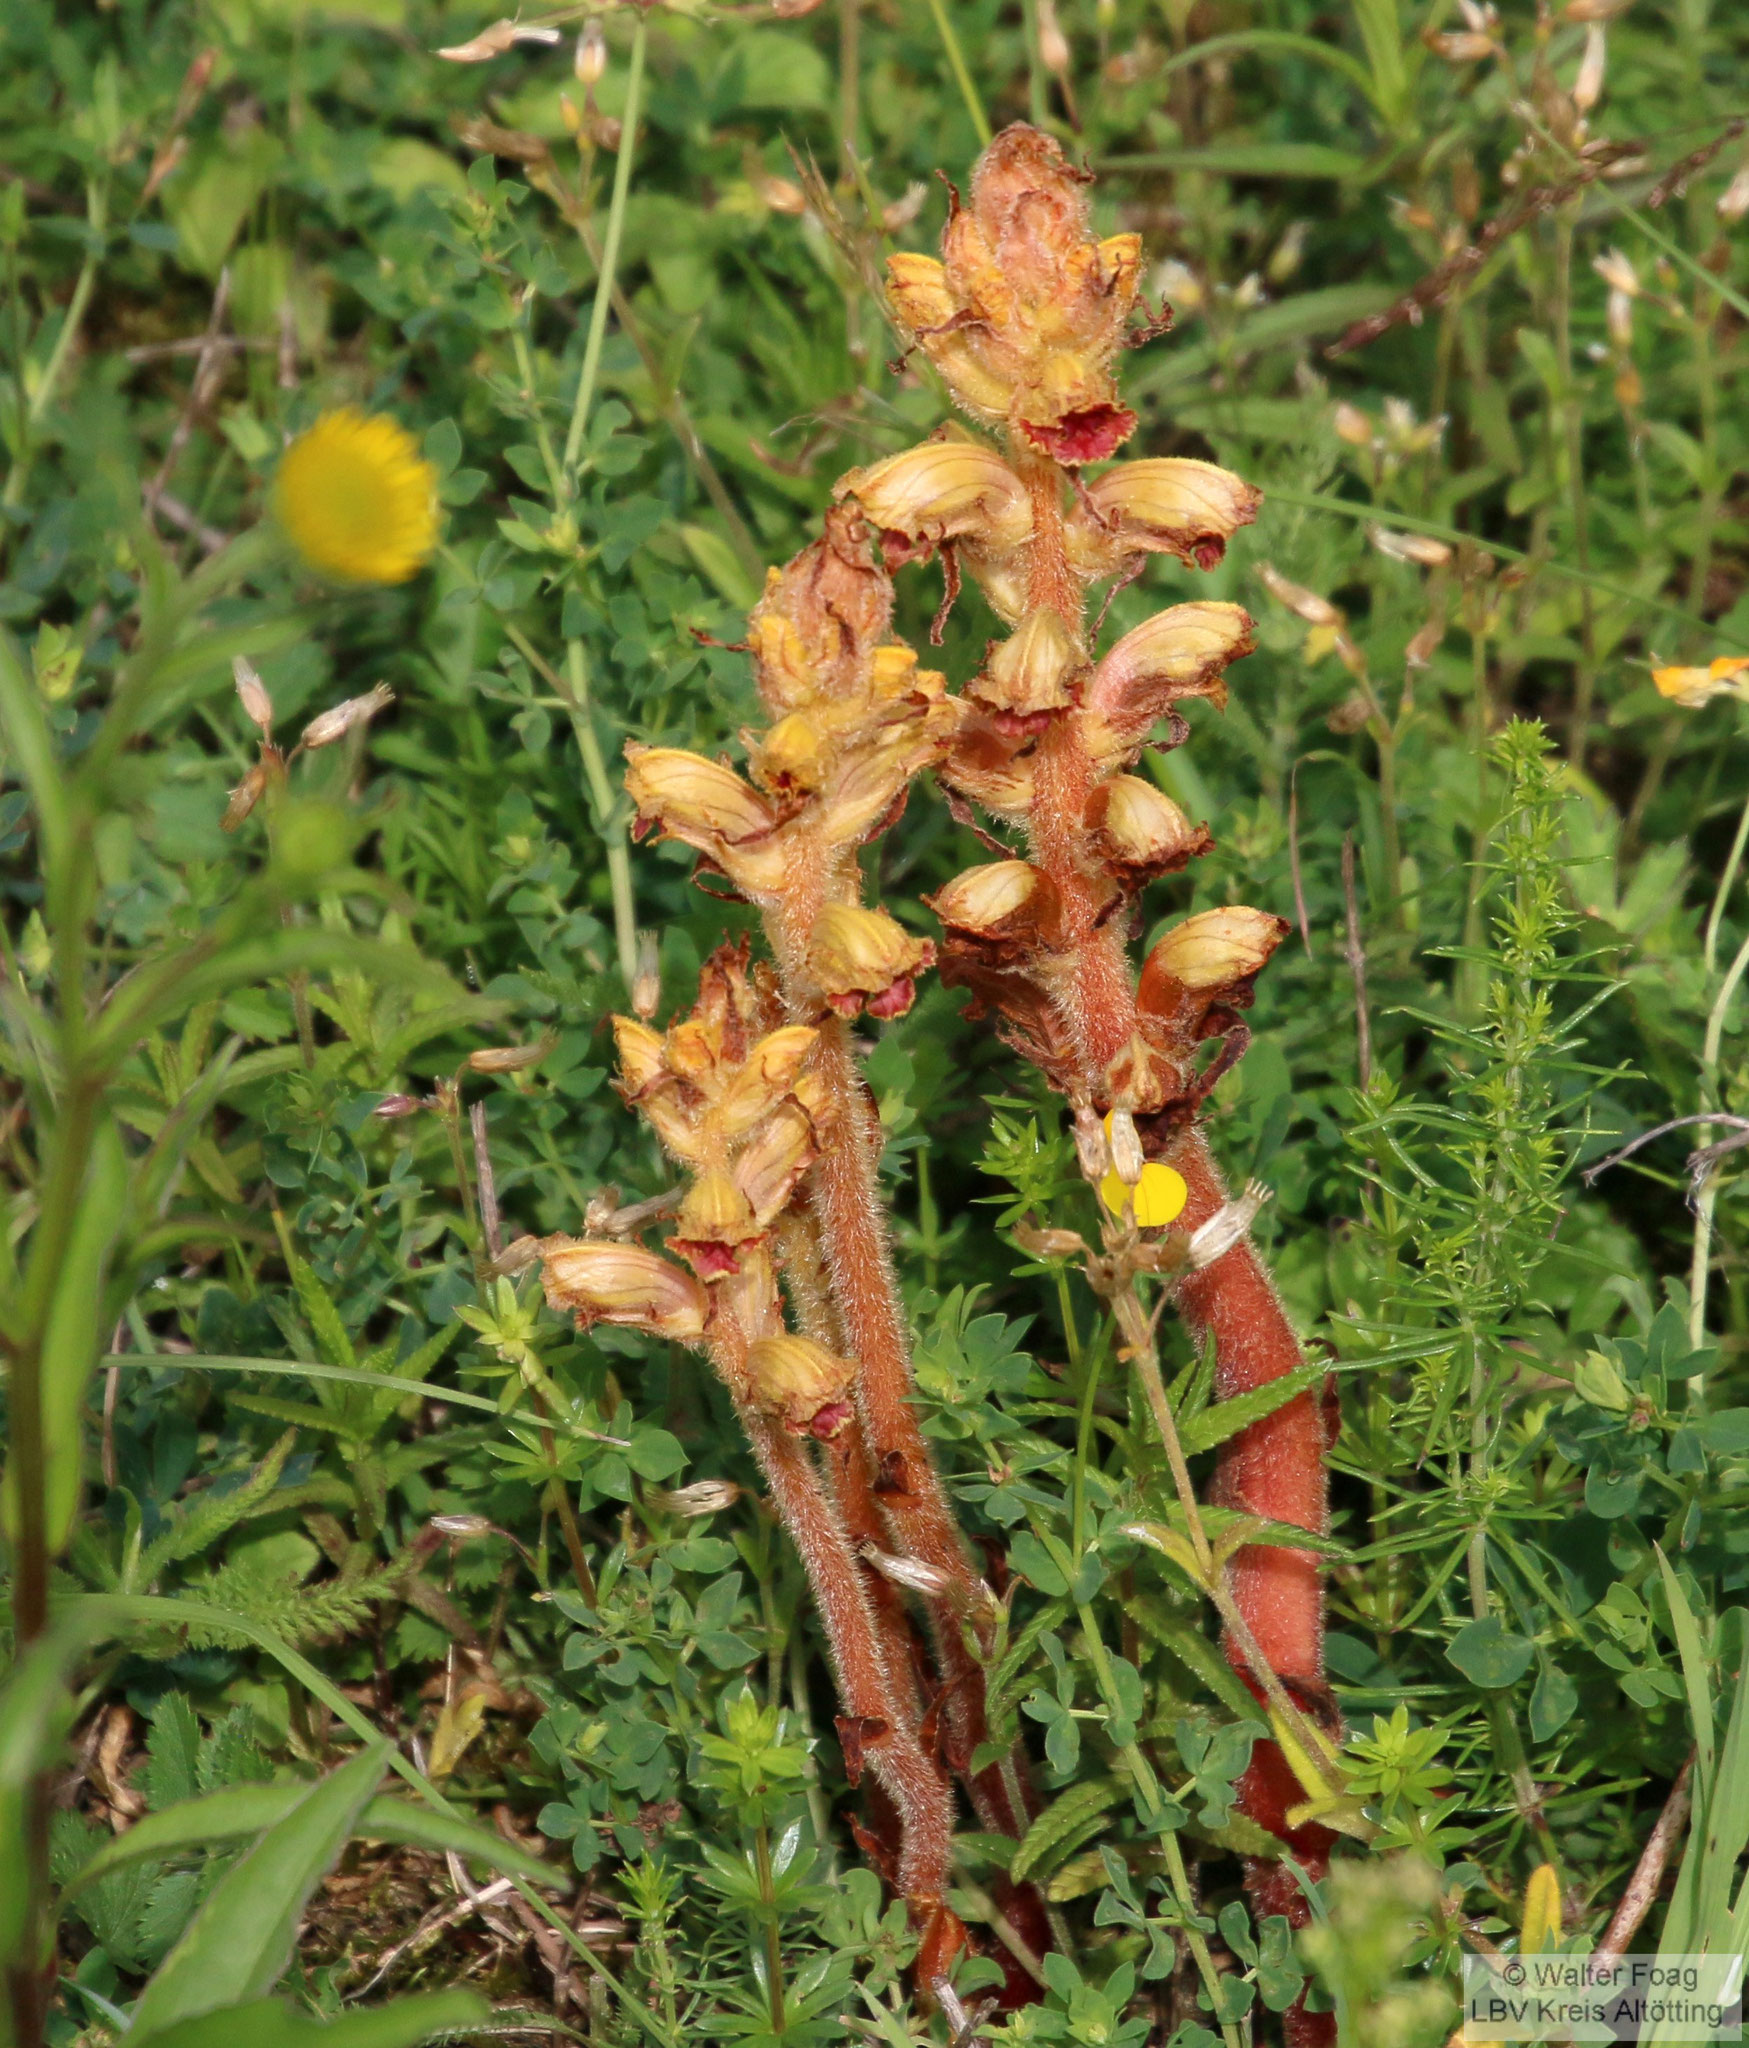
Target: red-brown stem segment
x=1274 y=1469
x=890 y=1744
x=907 y=1484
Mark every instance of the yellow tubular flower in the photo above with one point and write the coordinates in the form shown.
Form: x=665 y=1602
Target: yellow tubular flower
x=1693 y=687
x=357 y=500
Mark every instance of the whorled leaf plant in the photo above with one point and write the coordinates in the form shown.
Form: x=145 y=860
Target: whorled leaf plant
x=791 y=1292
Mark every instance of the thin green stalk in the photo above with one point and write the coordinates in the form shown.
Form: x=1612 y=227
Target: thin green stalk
x=956 y=63
x=1153 y=1801
x=616 y=213
x=97 y=216
x=1038 y=104
x=1573 y=434
x=773 y=1941
x=1707 y=1200
x=573 y=692
x=1721 y=895
x=1350 y=508
x=849 y=83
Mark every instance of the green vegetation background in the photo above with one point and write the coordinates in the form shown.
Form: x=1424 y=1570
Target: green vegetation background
x=1544 y=951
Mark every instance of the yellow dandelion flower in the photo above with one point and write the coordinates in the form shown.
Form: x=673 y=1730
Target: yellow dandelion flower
x=1692 y=687
x=357 y=500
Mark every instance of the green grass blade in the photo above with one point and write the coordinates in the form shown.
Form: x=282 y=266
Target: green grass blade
x=267 y=2023
x=243 y=1810
x=241 y=1938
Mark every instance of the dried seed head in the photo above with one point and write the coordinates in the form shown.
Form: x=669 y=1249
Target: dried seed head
x=862 y=958
x=508 y=1059
x=1092 y=1148
x=1050 y=1244
x=257 y=704
x=1303 y=603
x=248 y=793
x=1224 y=1229
x=910 y=1572
x=589 y=60
x=494 y=41
x=802 y=1383
x=1353 y=426
x=1419 y=548
x=1127 y=1157
x=1588 y=86
x=702 y=1497
x=647 y=977
x=623 y=1283
x=329 y=726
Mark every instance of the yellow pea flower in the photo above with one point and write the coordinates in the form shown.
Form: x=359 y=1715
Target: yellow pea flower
x=1693 y=687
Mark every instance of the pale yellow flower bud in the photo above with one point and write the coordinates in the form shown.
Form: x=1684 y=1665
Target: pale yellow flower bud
x=862 y=958
x=1176 y=654
x=1618 y=272
x=802 y=1383
x=766 y=1078
x=985 y=898
x=1030 y=672
x=1127 y=1158
x=589 y=60
x=1216 y=949
x=623 y=1283
x=1141 y=830
x=943 y=490
x=702 y=1497
x=1169 y=505
x=714 y=1221
x=642 y=1055
x=1733 y=201
x=775 y=1159
x=647 y=976
x=686 y=794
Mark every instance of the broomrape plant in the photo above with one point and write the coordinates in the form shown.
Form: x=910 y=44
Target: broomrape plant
x=755 y=1092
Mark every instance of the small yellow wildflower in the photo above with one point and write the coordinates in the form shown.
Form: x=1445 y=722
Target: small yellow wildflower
x=1157 y=1198
x=1693 y=687
x=357 y=500
x=1160 y=1195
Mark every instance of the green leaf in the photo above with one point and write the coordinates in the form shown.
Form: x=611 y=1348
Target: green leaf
x=268 y=2023
x=242 y=1937
x=1028 y=1556
x=1489 y=1654
x=1552 y=1701
x=1215 y=1425
x=1725 y=1430
x=1064 y=1825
